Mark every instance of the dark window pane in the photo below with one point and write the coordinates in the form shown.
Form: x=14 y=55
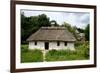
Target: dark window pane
x=65 y=43
x=58 y=43
x=35 y=43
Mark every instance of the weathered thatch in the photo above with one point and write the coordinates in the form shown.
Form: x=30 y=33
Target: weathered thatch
x=52 y=34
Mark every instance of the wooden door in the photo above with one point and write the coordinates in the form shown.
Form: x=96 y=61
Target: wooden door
x=46 y=45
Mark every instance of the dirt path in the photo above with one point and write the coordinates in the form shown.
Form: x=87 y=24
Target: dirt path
x=44 y=54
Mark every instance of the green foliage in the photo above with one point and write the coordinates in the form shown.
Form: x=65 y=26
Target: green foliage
x=80 y=30
x=62 y=55
x=78 y=43
x=31 y=24
x=30 y=55
x=24 y=48
x=68 y=27
x=83 y=50
x=58 y=55
x=81 y=53
x=43 y=20
x=87 y=32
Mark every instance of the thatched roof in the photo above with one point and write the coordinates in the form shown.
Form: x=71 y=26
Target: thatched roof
x=52 y=34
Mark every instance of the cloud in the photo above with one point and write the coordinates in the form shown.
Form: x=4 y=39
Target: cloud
x=85 y=18
x=77 y=19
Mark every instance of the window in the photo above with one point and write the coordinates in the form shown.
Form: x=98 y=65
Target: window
x=65 y=43
x=35 y=43
x=58 y=43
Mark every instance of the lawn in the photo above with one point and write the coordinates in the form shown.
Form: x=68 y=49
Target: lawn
x=81 y=53
x=30 y=55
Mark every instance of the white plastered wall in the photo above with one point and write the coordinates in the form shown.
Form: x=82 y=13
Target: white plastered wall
x=40 y=45
x=52 y=45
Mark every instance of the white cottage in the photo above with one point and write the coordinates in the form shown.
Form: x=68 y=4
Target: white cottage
x=48 y=38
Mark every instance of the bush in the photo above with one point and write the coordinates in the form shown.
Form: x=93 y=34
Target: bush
x=83 y=50
x=87 y=52
x=78 y=43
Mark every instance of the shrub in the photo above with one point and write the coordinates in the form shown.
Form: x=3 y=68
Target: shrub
x=83 y=50
x=87 y=52
x=78 y=43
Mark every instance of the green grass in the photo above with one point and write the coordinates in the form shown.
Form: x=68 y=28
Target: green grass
x=31 y=56
x=81 y=53
x=62 y=55
x=24 y=48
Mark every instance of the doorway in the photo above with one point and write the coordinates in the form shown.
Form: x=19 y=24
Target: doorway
x=46 y=45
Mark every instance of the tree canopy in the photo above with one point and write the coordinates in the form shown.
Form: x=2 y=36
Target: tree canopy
x=70 y=28
x=87 y=32
x=31 y=24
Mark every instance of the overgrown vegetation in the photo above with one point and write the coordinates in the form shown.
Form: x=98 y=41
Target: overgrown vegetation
x=83 y=49
x=31 y=55
x=86 y=31
x=81 y=53
x=24 y=48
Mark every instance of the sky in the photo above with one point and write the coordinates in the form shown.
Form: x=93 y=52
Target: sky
x=78 y=19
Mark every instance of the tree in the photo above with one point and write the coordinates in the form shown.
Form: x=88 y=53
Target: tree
x=68 y=26
x=43 y=20
x=87 y=32
x=80 y=30
x=71 y=29
x=30 y=25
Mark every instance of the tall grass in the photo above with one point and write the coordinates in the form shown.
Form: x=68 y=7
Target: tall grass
x=83 y=50
x=30 y=55
x=81 y=53
x=24 y=48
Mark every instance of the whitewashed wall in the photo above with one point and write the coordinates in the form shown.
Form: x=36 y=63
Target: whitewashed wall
x=70 y=46
x=40 y=45
x=52 y=45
